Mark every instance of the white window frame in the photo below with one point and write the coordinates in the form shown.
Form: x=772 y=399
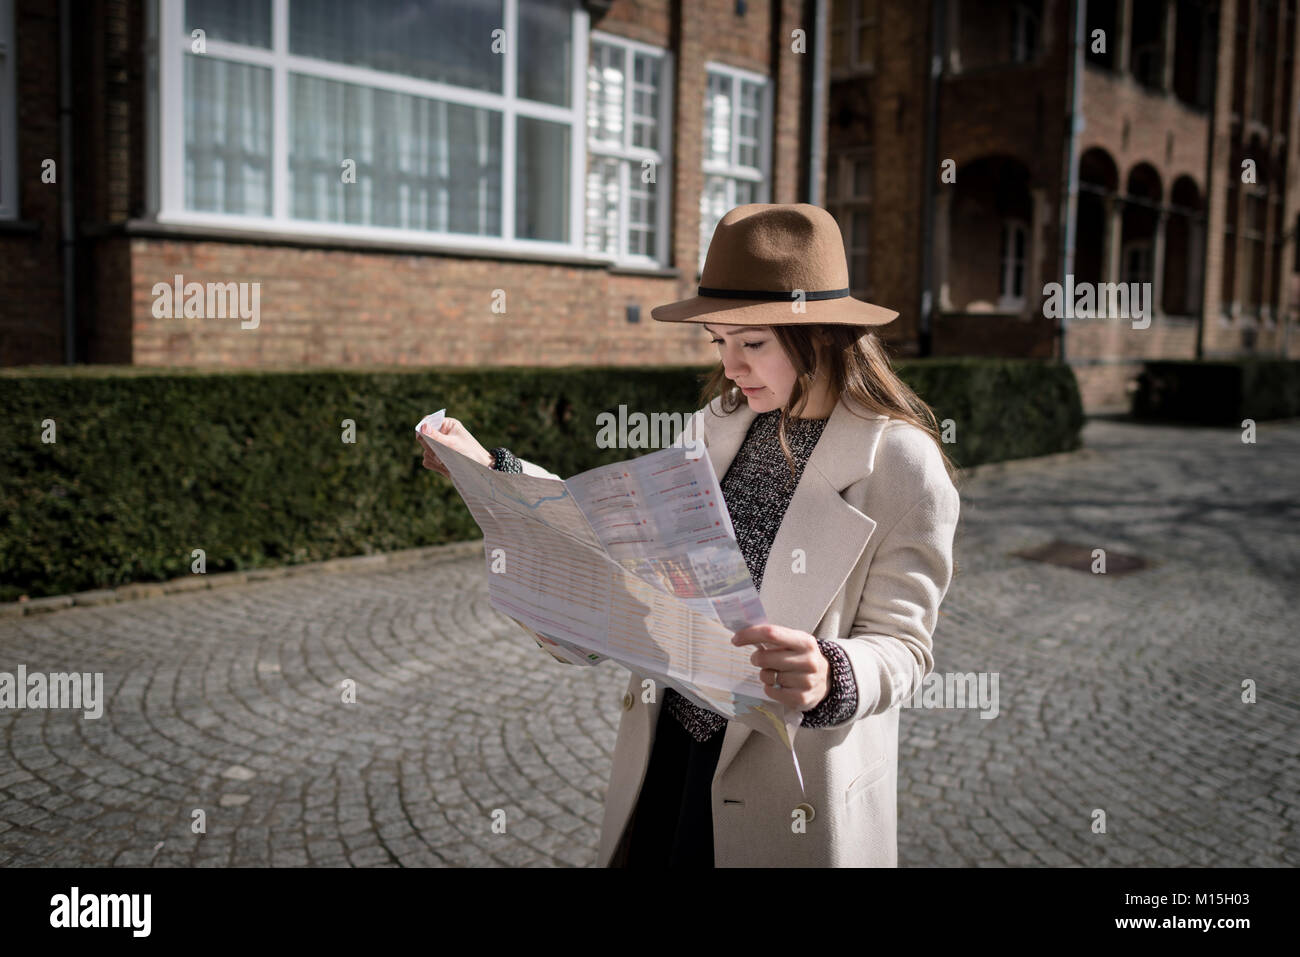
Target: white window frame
x=1008 y=301
x=729 y=170
x=632 y=156
x=8 y=113
x=170 y=43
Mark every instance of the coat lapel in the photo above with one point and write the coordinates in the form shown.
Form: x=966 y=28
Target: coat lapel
x=830 y=532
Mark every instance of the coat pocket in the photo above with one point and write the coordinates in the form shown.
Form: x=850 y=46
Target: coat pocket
x=866 y=779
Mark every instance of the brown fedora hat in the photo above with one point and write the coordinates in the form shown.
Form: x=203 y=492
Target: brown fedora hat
x=775 y=264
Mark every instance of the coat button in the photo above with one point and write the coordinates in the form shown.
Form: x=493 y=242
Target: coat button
x=627 y=701
x=808 y=812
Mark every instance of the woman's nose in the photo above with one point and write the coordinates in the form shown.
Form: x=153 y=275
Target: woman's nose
x=731 y=368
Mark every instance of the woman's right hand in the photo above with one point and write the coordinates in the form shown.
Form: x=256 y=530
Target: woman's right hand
x=457 y=437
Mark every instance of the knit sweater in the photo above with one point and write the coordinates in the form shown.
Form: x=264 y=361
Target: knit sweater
x=757 y=490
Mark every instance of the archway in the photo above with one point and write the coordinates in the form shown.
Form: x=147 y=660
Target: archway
x=1098 y=184
x=992 y=231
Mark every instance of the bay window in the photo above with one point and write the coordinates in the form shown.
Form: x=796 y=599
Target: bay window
x=455 y=122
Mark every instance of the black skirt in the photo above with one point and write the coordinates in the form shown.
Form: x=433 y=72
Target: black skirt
x=672 y=823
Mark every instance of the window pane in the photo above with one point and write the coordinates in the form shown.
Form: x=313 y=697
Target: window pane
x=713 y=206
x=643 y=215
x=645 y=101
x=449 y=41
x=866 y=45
x=745 y=193
x=227 y=137
x=861 y=226
x=833 y=179
x=541 y=180
x=602 y=206
x=839 y=50
x=748 y=122
x=717 y=119
x=605 y=93
x=235 y=21
x=862 y=177
x=858 y=272
x=545 y=50
x=420 y=163
x=642 y=242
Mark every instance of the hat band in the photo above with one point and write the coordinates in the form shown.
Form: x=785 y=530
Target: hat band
x=786 y=295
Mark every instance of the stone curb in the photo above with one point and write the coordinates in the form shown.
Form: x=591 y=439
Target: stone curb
x=436 y=554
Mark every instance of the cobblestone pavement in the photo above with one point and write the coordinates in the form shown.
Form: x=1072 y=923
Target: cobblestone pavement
x=1119 y=693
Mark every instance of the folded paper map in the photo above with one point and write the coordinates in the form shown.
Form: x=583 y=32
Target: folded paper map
x=636 y=562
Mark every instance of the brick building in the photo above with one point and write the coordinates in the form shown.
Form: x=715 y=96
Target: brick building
x=410 y=189
x=1170 y=98
x=421 y=190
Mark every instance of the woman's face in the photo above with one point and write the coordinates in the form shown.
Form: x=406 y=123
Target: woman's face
x=754 y=360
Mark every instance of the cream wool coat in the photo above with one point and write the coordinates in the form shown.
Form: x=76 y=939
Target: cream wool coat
x=874 y=514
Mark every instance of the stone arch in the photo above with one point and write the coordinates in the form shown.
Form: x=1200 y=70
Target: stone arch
x=991 y=219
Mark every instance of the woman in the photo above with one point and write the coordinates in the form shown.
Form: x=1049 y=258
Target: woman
x=845 y=509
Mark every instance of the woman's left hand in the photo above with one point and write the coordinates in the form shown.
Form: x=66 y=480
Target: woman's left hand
x=803 y=669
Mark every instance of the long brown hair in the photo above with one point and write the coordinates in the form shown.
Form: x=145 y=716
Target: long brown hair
x=855 y=366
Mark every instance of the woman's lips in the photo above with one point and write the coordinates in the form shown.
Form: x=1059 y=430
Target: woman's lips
x=751 y=391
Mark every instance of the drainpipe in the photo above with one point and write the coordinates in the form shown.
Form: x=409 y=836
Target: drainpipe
x=930 y=169
x=1212 y=26
x=816 y=102
x=67 y=239
x=1074 y=125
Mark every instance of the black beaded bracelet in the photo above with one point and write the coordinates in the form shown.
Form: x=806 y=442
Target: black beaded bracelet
x=841 y=699
x=503 y=460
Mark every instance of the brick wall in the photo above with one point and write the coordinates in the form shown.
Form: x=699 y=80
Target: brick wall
x=886 y=111
x=31 y=277
x=1136 y=125
x=340 y=306
x=345 y=307
x=1012 y=110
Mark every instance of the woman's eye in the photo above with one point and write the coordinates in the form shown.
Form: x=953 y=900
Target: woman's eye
x=748 y=345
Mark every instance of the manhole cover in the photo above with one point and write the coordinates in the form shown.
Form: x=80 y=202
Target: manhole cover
x=1080 y=557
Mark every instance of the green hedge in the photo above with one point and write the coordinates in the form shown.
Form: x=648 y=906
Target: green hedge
x=1002 y=408
x=1218 y=392
x=251 y=467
